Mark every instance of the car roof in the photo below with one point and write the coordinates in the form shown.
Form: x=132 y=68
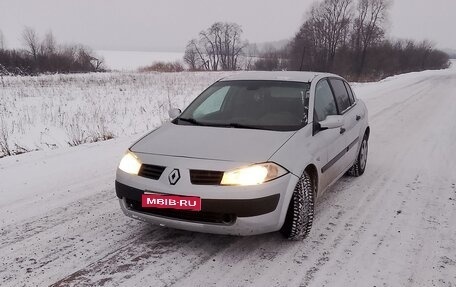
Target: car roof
x=290 y=76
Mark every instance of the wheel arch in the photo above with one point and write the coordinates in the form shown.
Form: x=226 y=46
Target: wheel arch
x=367 y=132
x=299 y=214
x=311 y=169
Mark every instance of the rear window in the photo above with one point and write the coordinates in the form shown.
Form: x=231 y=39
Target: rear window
x=340 y=92
x=350 y=93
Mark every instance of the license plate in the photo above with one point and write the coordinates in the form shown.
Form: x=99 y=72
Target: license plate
x=171 y=201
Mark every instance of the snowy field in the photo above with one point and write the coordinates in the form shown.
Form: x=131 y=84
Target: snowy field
x=49 y=112
x=61 y=225
x=132 y=60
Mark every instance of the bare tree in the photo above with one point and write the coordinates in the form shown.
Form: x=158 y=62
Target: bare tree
x=31 y=41
x=229 y=45
x=208 y=41
x=190 y=57
x=326 y=30
x=193 y=56
x=218 y=47
x=367 y=27
x=332 y=21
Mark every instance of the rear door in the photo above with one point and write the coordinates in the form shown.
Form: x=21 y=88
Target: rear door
x=356 y=114
x=347 y=107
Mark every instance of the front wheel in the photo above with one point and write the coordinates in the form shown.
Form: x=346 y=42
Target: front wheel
x=299 y=218
x=360 y=164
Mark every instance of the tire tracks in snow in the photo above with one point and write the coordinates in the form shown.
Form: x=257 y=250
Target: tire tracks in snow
x=171 y=253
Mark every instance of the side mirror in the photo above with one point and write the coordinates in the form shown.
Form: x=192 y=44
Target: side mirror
x=174 y=113
x=332 y=122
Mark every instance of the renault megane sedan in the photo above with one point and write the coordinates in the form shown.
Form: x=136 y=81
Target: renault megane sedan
x=250 y=155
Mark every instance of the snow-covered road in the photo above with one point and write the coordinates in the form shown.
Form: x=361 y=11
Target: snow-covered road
x=60 y=223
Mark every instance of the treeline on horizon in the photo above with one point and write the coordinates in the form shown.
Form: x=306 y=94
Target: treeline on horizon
x=45 y=55
x=346 y=37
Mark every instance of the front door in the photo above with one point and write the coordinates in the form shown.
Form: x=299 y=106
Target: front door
x=333 y=141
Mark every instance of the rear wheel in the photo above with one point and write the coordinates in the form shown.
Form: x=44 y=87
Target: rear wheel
x=360 y=164
x=299 y=218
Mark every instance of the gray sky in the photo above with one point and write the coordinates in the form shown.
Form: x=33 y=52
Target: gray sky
x=167 y=25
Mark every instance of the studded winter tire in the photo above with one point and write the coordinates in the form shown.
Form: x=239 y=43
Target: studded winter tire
x=360 y=164
x=299 y=218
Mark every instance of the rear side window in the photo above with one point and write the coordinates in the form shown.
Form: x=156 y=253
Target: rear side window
x=350 y=93
x=340 y=92
x=324 y=101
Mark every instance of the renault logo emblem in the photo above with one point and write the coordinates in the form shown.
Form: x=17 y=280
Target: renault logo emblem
x=174 y=176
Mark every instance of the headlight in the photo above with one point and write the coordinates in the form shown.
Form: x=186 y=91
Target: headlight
x=254 y=174
x=130 y=163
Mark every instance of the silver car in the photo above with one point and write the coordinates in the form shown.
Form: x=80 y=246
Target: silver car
x=250 y=155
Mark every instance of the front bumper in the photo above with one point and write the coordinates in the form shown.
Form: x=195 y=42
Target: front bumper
x=235 y=207
x=219 y=216
x=235 y=210
x=235 y=217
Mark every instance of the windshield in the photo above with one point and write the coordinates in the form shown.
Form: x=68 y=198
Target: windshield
x=270 y=105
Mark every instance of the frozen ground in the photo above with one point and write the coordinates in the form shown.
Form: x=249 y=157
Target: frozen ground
x=60 y=223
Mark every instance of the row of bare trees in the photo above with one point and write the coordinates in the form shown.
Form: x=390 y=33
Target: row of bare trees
x=46 y=56
x=217 y=48
x=348 y=37
x=333 y=26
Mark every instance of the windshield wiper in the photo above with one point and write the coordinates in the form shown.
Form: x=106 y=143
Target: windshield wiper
x=243 y=126
x=192 y=121
x=230 y=125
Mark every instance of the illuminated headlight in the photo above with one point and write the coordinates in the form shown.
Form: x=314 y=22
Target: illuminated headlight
x=253 y=174
x=130 y=163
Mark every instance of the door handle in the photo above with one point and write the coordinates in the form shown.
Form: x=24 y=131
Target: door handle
x=358 y=117
x=342 y=130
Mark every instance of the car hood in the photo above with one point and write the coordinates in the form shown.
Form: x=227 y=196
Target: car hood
x=228 y=144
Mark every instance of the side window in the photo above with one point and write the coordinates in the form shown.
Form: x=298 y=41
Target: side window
x=212 y=104
x=324 y=101
x=350 y=93
x=340 y=92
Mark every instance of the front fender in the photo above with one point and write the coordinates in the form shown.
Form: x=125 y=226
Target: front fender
x=300 y=151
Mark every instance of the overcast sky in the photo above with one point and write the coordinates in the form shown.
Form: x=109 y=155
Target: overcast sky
x=167 y=25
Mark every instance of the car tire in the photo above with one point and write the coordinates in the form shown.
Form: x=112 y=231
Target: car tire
x=359 y=166
x=299 y=218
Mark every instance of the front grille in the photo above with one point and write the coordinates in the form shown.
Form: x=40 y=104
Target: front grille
x=188 y=215
x=206 y=177
x=151 y=171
